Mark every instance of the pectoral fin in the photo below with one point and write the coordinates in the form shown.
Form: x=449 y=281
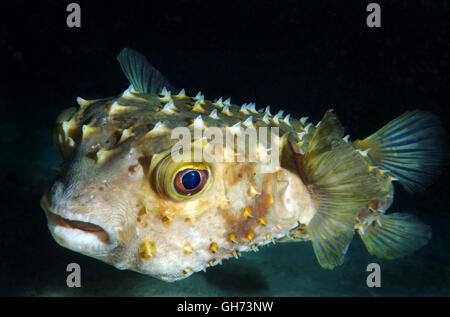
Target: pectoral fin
x=339 y=179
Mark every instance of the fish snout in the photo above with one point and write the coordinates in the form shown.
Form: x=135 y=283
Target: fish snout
x=73 y=227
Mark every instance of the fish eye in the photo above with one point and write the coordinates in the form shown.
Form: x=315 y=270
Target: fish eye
x=189 y=182
x=180 y=180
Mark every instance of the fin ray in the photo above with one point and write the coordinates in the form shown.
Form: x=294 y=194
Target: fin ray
x=141 y=74
x=399 y=235
x=339 y=180
x=410 y=147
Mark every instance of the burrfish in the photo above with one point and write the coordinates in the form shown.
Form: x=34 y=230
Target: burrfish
x=166 y=184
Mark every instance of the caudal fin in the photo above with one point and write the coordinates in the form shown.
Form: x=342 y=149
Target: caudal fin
x=409 y=147
x=393 y=236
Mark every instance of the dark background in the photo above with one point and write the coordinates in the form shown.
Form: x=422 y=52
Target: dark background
x=301 y=56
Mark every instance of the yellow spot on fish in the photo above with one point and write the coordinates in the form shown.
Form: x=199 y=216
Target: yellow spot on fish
x=116 y=108
x=219 y=103
x=87 y=130
x=167 y=97
x=271 y=201
x=235 y=253
x=211 y=262
x=181 y=94
x=187 y=248
x=250 y=235
x=268 y=235
x=166 y=219
x=213 y=247
x=157 y=129
x=68 y=127
x=247 y=213
x=142 y=211
x=103 y=155
x=119 y=235
x=126 y=134
x=198 y=108
x=147 y=249
x=278 y=226
x=252 y=191
x=232 y=237
x=169 y=108
x=226 y=110
x=263 y=221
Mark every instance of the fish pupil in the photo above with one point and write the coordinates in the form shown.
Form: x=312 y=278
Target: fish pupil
x=191 y=180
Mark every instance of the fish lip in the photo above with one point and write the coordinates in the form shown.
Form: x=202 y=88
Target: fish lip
x=87 y=227
x=74 y=232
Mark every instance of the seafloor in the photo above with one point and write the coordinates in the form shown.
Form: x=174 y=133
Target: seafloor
x=309 y=58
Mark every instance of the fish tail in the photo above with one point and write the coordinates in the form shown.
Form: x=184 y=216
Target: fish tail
x=393 y=236
x=339 y=180
x=410 y=148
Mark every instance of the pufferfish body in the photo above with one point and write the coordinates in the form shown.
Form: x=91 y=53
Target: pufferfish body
x=124 y=198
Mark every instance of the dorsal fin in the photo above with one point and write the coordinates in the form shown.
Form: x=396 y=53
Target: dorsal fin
x=141 y=74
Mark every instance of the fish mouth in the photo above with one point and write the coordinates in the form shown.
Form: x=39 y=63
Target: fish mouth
x=77 y=234
x=84 y=227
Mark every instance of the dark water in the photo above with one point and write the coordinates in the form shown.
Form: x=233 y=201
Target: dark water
x=302 y=57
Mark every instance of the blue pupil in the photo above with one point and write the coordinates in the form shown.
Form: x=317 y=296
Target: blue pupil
x=191 y=180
